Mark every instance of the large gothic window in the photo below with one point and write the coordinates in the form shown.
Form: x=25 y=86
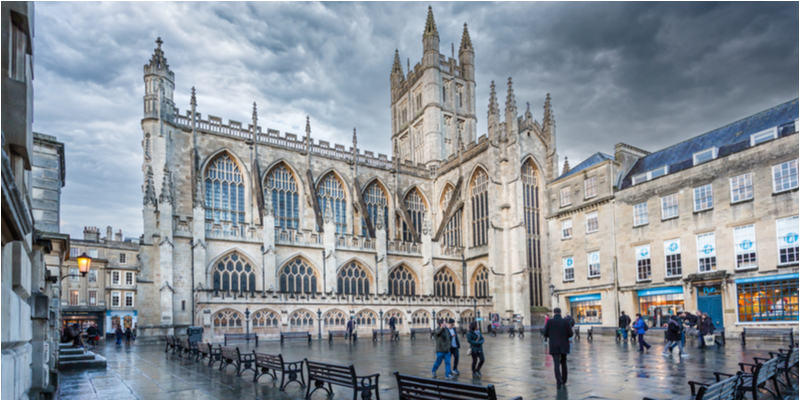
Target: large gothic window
x=443 y=315
x=481 y=284
x=297 y=277
x=444 y=283
x=452 y=230
x=301 y=319
x=466 y=318
x=234 y=273
x=281 y=189
x=480 y=208
x=421 y=317
x=265 y=319
x=533 y=249
x=353 y=279
x=331 y=194
x=366 y=317
x=224 y=191
x=401 y=282
x=374 y=198
x=416 y=208
x=228 y=319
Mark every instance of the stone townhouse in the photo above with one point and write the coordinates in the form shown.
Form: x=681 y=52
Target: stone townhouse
x=709 y=223
x=106 y=296
x=305 y=235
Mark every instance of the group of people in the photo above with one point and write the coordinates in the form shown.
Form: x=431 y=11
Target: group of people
x=128 y=334
x=448 y=345
x=699 y=324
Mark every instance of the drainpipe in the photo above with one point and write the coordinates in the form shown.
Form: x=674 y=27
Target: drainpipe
x=191 y=248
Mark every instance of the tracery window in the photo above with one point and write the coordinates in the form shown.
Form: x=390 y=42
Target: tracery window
x=265 y=319
x=234 y=273
x=374 y=198
x=481 y=284
x=452 y=230
x=466 y=318
x=416 y=208
x=334 y=318
x=281 y=190
x=228 y=319
x=480 y=208
x=533 y=247
x=366 y=317
x=402 y=282
x=443 y=315
x=331 y=194
x=297 y=277
x=398 y=316
x=353 y=279
x=224 y=191
x=421 y=318
x=301 y=318
x=444 y=283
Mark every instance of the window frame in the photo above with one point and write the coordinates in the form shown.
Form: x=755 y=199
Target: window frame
x=715 y=266
x=568 y=263
x=740 y=187
x=116 y=294
x=638 y=215
x=649 y=263
x=564 y=234
x=736 y=246
x=74 y=275
x=116 y=278
x=677 y=207
x=714 y=153
x=89 y=298
x=565 y=196
x=694 y=197
x=774 y=181
x=129 y=295
x=771 y=132
x=133 y=278
x=778 y=241
x=589 y=263
x=74 y=252
x=646 y=176
x=123 y=258
x=90 y=274
x=595 y=216
x=676 y=263
x=586 y=187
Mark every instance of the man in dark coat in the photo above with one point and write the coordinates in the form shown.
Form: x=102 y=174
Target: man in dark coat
x=393 y=327
x=351 y=326
x=624 y=322
x=558 y=331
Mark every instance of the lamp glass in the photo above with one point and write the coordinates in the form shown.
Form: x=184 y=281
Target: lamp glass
x=84 y=263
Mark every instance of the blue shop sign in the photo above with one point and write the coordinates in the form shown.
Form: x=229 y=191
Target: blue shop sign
x=768 y=278
x=662 y=290
x=585 y=297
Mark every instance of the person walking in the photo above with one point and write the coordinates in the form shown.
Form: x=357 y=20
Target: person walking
x=118 y=335
x=558 y=331
x=128 y=334
x=475 y=340
x=624 y=322
x=674 y=329
x=546 y=318
x=443 y=343
x=641 y=328
x=393 y=327
x=351 y=326
x=92 y=335
x=706 y=328
x=455 y=344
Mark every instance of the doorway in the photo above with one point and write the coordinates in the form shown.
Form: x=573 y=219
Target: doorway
x=709 y=300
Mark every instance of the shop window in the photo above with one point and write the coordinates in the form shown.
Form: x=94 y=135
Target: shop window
x=643 y=268
x=703 y=198
x=784 y=176
x=768 y=301
x=640 y=216
x=594 y=264
x=672 y=254
x=586 y=312
x=742 y=187
x=566 y=229
x=657 y=309
x=669 y=206
x=590 y=187
x=569 y=269
x=592 y=225
x=706 y=253
x=744 y=242
x=787 y=240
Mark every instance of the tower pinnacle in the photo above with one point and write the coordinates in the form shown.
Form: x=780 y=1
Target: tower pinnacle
x=430 y=24
x=466 y=42
x=511 y=101
x=566 y=165
x=493 y=106
x=397 y=67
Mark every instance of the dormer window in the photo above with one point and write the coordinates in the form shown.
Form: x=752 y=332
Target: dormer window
x=705 y=155
x=764 y=136
x=663 y=170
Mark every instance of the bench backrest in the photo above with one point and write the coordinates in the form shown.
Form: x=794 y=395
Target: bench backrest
x=421 y=330
x=766 y=370
x=337 y=333
x=381 y=331
x=271 y=361
x=413 y=387
x=202 y=348
x=340 y=374
x=295 y=334
x=230 y=353
x=724 y=390
x=768 y=331
x=792 y=359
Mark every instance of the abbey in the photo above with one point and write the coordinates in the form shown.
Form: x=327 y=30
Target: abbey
x=246 y=228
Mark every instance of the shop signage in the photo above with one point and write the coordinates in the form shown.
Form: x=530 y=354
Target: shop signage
x=585 y=297
x=662 y=290
x=712 y=290
x=768 y=278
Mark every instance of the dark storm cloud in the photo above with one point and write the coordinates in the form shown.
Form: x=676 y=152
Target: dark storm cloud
x=647 y=74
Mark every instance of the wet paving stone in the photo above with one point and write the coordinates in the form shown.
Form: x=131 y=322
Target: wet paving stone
x=601 y=369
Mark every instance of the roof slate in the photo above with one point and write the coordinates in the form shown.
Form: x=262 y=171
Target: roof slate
x=593 y=160
x=728 y=139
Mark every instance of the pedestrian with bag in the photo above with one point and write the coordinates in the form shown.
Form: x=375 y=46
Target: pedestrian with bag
x=674 y=329
x=443 y=342
x=118 y=335
x=351 y=326
x=455 y=344
x=558 y=331
x=475 y=340
x=128 y=334
x=641 y=328
x=624 y=322
x=707 y=332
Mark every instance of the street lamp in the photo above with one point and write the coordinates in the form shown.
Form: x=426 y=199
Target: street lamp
x=319 y=324
x=475 y=309
x=433 y=312
x=84 y=265
x=380 y=315
x=247 y=323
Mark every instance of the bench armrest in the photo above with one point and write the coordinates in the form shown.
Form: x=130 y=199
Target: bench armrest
x=760 y=358
x=517 y=398
x=368 y=376
x=718 y=374
x=369 y=379
x=742 y=365
x=692 y=384
x=247 y=357
x=292 y=363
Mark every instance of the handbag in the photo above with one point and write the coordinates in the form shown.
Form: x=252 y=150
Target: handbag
x=469 y=352
x=709 y=339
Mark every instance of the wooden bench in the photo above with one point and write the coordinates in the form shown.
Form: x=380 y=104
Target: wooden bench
x=381 y=332
x=425 y=331
x=757 y=378
x=233 y=337
x=272 y=363
x=170 y=343
x=207 y=350
x=576 y=332
x=242 y=362
x=188 y=349
x=413 y=387
x=788 y=362
x=768 y=333
x=342 y=334
x=503 y=329
x=321 y=373
x=720 y=390
x=600 y=330
x=295 y=336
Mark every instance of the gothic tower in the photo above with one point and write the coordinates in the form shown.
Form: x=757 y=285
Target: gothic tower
x=434 y=103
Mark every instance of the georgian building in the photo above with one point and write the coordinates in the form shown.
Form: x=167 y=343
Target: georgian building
x=305 y=235
x=709 y=223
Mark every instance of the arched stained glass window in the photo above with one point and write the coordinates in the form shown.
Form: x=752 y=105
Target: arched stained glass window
x=444 y=283
x=402 y=282
x=353 y=279
x=533 y=249
x=374 y=198
x=481 y=284
x=281 y=189
x=452 y=230
x=334 y=318
x=416 y=208
x=330 y=193
x=301 y=319
x=421 y=317
x=224 y=191
x=234 y=273
x=366 y=317
x=297 y=277
x=480 y=208
x=265 y=319
x=228 y=319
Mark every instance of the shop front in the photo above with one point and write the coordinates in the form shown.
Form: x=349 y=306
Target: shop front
x=658 y=304
x=123 y=319
x=83 y=318
x=768 y=299
x=586 y=309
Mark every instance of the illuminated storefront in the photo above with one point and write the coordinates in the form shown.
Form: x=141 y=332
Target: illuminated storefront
x=586 y=309
x=656 y=305
x=766 y=299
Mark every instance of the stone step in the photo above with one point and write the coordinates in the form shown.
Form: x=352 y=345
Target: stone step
x=71 y=351
x=97 y=362
x=76 y=357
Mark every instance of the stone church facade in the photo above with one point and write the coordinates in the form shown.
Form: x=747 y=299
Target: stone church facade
x=306 y=235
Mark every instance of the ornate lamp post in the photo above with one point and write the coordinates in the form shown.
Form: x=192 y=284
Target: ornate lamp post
x=475 y=309
x=380 y=315
x=433 y=312
x=319 y=324
x=247 y=323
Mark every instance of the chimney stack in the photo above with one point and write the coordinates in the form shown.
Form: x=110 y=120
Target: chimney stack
x=119 y=236
x=109 y=234
x=91 y=234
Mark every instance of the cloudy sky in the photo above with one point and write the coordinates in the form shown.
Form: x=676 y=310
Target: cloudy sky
x=647 y=74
